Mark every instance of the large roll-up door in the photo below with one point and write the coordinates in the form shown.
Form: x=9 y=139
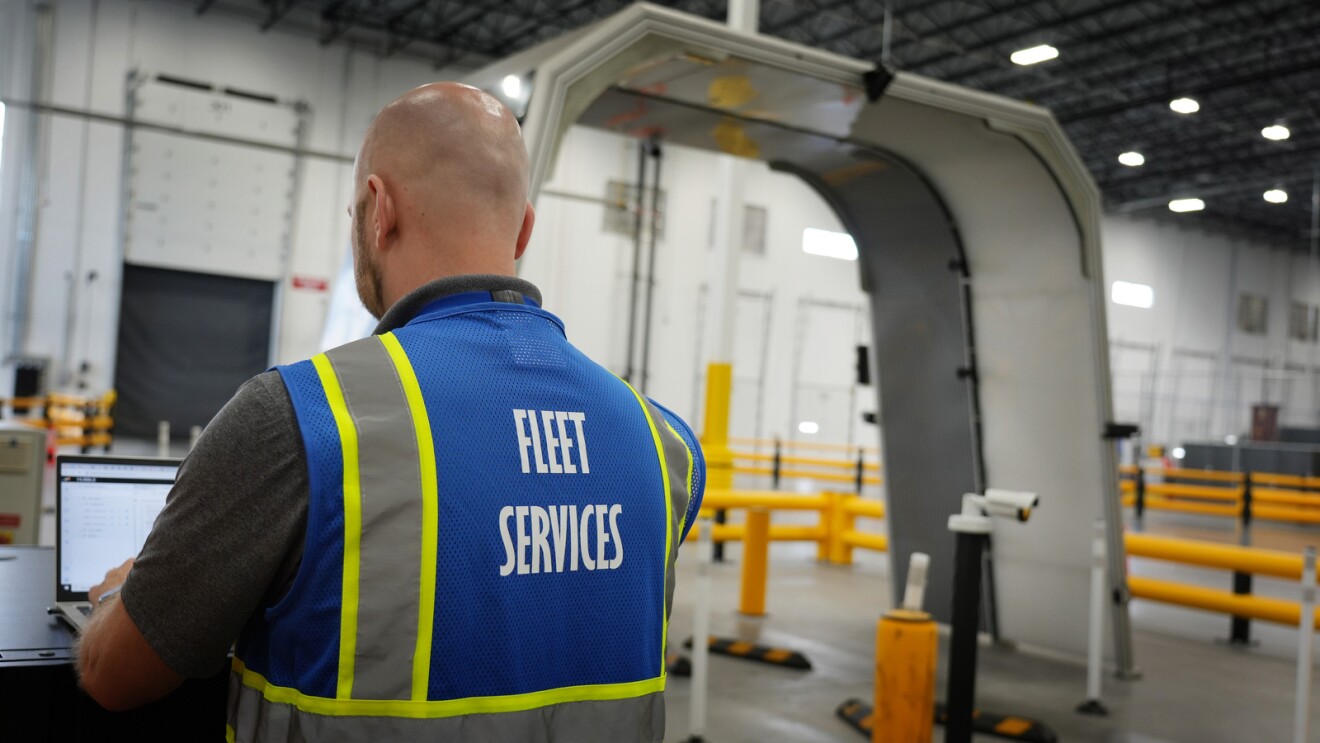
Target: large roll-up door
x=186 y=342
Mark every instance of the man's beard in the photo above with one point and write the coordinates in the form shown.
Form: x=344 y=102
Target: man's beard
x=366 y=274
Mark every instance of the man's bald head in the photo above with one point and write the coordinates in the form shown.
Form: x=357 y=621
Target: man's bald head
x=440 y=189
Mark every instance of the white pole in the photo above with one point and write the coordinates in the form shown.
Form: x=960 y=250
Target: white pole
x=744 y=15
x=728 y=233
x=1095 y=648
x=701 y=630
x=193 y=434
x=1305 y=639
x=163 y=439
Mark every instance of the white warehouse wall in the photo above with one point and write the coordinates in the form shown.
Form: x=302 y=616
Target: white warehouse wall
x=80 y=160
x=1183 y=369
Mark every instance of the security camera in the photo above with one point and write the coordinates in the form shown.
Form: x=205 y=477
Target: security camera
x=1013 y=504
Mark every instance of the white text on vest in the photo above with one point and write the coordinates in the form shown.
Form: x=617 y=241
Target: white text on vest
x=551 y=425
x=557 y=532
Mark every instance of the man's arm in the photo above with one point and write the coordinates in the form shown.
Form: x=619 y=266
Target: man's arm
x=116 y=665
x=228 y=542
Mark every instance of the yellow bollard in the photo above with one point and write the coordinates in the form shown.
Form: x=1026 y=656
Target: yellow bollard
x=715 y=439
x=756 y=548
x=906 y=653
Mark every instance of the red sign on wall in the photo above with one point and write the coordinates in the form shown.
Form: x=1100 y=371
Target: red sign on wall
x=311 y=283
x=11 y=519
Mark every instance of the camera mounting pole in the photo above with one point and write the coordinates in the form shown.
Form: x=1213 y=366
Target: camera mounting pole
x=973 y=527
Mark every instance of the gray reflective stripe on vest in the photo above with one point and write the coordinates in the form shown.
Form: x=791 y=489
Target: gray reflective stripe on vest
x=676 y=460
x=253 y=719
x=390 y=556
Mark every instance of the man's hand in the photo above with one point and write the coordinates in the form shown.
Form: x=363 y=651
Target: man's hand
x=113 y=579
x=116 y=664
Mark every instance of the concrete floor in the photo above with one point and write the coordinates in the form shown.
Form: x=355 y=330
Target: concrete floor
x=1194 y=688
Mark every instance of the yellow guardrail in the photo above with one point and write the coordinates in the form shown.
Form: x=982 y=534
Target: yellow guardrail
x=1286 y=497
x=812 y=461
x=772 y=499
x=854 y=468
x=790 y=444
x=1158 y=503
x=1242 y=561
x=1204 y=475
x=1246 y=497
x=1200 y=492
x=1290 y=481
x=1279 y=611
x=77 y=420
x=1296 y=515
x=1210 y=555
x=836 y=534
x=805 y=475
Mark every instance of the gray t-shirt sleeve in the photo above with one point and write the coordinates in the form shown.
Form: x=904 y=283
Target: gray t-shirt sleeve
x=230 y=538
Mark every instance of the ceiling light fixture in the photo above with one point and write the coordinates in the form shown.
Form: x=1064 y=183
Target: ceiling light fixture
x=1035 y=54
x=1132 y=159
x=512 y=86
x=1186 y=205
x=1277 y=132
x=1276 y=196
x=1184 y=105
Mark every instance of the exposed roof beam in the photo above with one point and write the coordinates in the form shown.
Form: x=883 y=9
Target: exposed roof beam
x=1179 y=45
x=1208 y=87
x=278 y=9
x=335 y=22
x=1212 y=164
x=554 y=18
x=1035 y=30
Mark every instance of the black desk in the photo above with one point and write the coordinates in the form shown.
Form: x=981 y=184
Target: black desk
x=39 y=695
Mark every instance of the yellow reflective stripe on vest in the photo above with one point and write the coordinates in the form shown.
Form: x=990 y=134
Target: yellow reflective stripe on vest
x=447 y=707
x=669 y=523
x=421 y=670
x=229 y=733
x=348 y=441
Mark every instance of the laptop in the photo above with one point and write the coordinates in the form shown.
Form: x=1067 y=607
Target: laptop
x=104 y=509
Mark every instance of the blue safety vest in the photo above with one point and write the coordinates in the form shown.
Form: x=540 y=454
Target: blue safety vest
x=491 y=534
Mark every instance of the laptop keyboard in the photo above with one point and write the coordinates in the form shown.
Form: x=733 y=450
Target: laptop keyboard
x=85 y=609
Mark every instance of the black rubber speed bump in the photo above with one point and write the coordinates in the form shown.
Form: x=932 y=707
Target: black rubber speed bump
x=752 y=651
x=679 y=665
x=857 y=714
x=1010 y=727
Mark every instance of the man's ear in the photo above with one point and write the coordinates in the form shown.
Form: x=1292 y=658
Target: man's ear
x=525 y=234
x=384 y=214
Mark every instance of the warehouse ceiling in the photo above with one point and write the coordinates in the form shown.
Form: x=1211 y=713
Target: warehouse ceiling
x=1249 y=64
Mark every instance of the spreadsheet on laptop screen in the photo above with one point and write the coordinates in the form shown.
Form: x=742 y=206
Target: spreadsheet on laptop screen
x=106 y=512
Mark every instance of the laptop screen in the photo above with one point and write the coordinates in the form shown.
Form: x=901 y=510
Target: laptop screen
x=106 y=507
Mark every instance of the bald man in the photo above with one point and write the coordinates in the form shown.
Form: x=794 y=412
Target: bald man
x=459 y=528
